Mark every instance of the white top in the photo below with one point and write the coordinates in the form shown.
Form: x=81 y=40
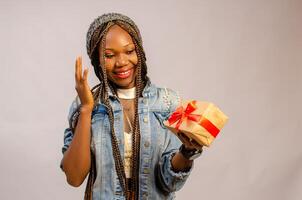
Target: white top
x=127 y=94
x=128 y=153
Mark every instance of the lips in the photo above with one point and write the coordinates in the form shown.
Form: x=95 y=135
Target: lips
x=123 y=74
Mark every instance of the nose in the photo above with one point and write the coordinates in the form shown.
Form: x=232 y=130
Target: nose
x=121 y=60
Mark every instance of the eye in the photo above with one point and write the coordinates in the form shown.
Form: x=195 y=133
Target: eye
x=109 y=55
x=130 y=52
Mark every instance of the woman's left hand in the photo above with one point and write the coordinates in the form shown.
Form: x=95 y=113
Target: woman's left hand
x=189 y=143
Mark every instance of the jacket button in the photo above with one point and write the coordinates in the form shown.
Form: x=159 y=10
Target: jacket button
x=147 y=144
x=145 y=196
x=145 y=101
x=145 y=119
x=146 y=171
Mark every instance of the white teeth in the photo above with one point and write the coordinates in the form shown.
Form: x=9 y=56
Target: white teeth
x=124 y=73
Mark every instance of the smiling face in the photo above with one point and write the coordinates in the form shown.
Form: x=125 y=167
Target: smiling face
x=120 y=57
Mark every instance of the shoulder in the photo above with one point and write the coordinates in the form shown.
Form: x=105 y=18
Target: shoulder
x=74 y=106
x=74 y=111
x=165 y=99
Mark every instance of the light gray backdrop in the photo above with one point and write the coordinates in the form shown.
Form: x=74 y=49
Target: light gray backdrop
x=244 y=56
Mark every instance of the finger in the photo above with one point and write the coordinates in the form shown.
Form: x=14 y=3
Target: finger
x=85 y=76
x=77 y=75
x=196 y=145
x=189 y=141
x=183 y=139
x=80 y=66
x=180 y=137
x=186 y=137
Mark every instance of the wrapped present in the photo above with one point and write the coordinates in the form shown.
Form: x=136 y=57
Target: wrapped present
x=200 y=121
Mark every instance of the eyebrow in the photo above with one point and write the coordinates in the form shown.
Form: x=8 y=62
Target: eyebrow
x=123 y=46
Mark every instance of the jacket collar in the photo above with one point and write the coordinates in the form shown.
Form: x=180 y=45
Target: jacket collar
x=148 y=91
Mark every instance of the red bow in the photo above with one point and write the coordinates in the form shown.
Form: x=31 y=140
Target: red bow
x=182 y=114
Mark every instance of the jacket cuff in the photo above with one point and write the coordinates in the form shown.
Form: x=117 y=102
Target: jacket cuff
x=179 y=174
x=171 y=181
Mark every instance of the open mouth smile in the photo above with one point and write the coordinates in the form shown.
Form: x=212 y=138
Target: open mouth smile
x=123 y=74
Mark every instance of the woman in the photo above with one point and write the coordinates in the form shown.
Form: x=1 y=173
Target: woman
x=116 y=132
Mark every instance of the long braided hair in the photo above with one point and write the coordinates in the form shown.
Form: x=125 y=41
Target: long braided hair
x=96 y=36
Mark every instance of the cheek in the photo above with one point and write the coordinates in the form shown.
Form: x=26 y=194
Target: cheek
x=109 y=64
x=134 y=59
x=109 y=69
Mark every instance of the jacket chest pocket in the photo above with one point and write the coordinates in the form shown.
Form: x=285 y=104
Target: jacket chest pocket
x=160 y=129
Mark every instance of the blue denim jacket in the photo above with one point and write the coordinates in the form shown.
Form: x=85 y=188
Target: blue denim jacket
x=158 y=144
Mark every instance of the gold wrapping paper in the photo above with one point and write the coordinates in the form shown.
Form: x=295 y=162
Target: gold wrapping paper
x=204 y=130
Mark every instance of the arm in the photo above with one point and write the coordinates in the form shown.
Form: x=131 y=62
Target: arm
x=179 y=161
x=171 y=173
x=173 y=167
x=77 y=160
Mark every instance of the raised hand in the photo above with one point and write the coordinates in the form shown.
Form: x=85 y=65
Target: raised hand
x=82 y=86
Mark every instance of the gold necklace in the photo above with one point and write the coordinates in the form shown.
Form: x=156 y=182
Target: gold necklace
x=130 y=125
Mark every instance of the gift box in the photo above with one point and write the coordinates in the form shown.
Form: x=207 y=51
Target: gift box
x=198 y=120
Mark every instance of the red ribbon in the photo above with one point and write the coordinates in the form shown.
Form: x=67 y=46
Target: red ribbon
x=182 y=114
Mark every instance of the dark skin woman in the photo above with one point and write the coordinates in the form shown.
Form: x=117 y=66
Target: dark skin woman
x=120 y=62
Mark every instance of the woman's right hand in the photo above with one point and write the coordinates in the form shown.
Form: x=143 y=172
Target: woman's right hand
x=82 y=86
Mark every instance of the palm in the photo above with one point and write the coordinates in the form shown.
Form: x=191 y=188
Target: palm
x=82 y=86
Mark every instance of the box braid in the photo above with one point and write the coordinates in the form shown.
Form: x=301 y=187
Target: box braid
x=136 y=135
x=95 y=37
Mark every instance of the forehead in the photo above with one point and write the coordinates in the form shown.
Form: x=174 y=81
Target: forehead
x=117 y=37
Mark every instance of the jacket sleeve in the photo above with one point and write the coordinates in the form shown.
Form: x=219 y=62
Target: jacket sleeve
x=167 y=179
x=68 y=134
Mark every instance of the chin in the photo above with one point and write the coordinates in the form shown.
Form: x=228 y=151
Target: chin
x=124 y=84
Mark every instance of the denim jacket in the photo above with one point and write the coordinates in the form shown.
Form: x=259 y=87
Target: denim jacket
x=158 y=144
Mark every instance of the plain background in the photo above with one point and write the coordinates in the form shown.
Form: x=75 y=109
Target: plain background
x=245 y=56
